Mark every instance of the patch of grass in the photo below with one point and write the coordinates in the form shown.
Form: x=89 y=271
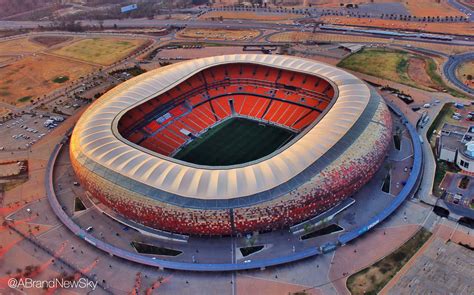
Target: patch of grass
x=441 y=168
x=432 y=70
x=134 y=71
x=61 y=79
x=386 y=183
x=373 y=278
x=155 y=250
x=439 y=120
x=387 y=64
x=397 y=141
x=4 y=93
x=322 y=231
x=234 y=141
x=78 y=205
x=246 y=251
x=393 y=65
x=25 y=98
x=464 y=182
x=6 y=186
x=402 y=69
x=100 y=50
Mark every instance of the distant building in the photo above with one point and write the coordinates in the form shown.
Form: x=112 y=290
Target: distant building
x=455 y=144
x=351 y=47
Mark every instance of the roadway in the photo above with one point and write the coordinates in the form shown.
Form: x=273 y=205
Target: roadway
x=464 y=9
x=450 y=67
x=226 y=24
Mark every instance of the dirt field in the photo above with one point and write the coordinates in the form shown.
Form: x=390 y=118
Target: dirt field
x=417 y=71
x=19 y=46
x=200 y=52
x=266 y=17
x=465 y=70
x=104 y=51
x=336 y=3
x=218 y=34
x=4 y=112
x=452 y=28
x=49 y=41
x=468 y=3
x=439 y=265
x=5 y=58
x=250 y=285
x=9 y=169
x=32 y=77
x=431 y=8
x=178 y=16
x=372 y=279
x=325 y=37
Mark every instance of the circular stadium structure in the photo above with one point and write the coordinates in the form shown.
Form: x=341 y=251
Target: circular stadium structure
x=231 y=144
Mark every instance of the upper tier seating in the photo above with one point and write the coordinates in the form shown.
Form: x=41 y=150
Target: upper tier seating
x=289 y=99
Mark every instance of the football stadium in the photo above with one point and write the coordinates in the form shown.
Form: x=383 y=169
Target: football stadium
x=231 y=144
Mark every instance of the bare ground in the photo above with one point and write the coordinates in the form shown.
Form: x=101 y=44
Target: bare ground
x=417 y=72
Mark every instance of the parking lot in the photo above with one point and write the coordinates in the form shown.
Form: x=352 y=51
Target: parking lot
x=24 y=131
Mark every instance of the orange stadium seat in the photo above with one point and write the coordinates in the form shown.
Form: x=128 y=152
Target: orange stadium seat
x=221 y=107
x=253 y=91
x=206 y=113
x=233 y=70
x=274 y=107
x=282 y=114
x=248 y=105
x=305 y=120
x=296 y=113
x=260 y=106
x=248 y=71
x=238 y=102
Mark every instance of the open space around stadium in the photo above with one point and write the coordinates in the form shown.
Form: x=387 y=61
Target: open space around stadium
x=452 y=28
x=203 y=50
x=104 y=51
x=431 y=8
x=235 y=141
x=399 y=66
x=39 y=64
x=31 y=77
x=50 y=41
x=217 y=34
x=372 y=279
x=293 y=37
x=448 y=251
x=260 y=16
x=19 y=46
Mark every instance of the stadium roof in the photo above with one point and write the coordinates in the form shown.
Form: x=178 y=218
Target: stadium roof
x=97 y=138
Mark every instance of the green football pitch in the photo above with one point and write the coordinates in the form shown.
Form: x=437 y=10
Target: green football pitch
x=235 y=141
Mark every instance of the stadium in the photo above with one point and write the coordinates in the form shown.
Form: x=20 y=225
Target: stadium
x=231 y=144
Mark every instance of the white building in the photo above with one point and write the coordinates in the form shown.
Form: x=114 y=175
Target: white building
x=456 y=145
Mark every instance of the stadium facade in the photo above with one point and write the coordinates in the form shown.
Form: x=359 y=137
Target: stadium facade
x=123 y=146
